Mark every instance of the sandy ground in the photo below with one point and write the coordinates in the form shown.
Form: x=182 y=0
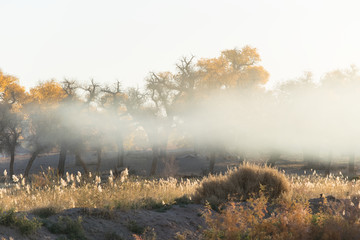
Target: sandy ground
x=184 y=220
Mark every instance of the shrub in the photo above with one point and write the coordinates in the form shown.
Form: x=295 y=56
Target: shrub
x=99 y=213
x=289 y=220
x=45 y=212
x=241 y=183
x=65 y=225
x=182 y=201
x=134 y=227
x=113 y=236
x=25 y=225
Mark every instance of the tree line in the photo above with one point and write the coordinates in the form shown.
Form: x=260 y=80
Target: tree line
x=74 y=117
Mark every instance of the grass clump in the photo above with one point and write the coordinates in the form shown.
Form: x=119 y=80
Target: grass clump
x=45 y=212
x=184 y=200
x=113 y=236
x=134 y=227
x=242 y=183
x=25 y=225
x=98 y=213
x=65 y=225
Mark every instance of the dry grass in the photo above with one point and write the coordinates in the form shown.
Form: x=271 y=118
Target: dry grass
x=241 y=183
x=259 y=217
x=285 y=221
x=291 y=216
x=313 y=184
x=47 y=191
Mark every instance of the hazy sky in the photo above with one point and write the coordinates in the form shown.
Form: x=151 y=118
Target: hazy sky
x=108 y=40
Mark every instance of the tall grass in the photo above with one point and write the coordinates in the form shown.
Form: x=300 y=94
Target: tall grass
x=313 y=184
x=289 y=217
x=46 y=190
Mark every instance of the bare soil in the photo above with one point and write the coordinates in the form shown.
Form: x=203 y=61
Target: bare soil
x=184 y=220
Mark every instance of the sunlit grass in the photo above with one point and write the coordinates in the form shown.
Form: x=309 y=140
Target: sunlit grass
x=312 y=185
x=124 y=192
x=79 y=191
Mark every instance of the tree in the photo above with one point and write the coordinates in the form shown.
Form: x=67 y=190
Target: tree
x=70 y=87
x=113 y=101
x=41 y=124
x=11 y=92
x=12 y=97
x=145 y=116
x=342 y=87
x=10 y=123
x=39 y=132
x=233 y=69
x=47 y=93
x=93 y=90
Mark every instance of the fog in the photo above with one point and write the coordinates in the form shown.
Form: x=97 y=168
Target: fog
x=322 y=118
x=314 y=118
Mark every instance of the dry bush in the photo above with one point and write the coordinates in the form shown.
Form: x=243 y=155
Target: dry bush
x=241 y=183
x=289 y=220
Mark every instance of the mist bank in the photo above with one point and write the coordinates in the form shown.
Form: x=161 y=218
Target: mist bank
x=318 y=118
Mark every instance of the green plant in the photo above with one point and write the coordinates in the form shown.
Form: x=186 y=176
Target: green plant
x=25 y=225
x=113 y=236
x=148 y=203
x=182 y=236
x=184 y=200
x=98 y=212
x=45 y=212
x=8 y=218
x=65 y=225
x=134 y=227
x=149 y=234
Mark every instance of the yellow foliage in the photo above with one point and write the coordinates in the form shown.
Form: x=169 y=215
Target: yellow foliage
x=11 y=91
x=47 y=92
x=213 y=72
x=232 y=69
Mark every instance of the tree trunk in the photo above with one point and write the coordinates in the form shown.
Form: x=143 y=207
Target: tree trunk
x=311 y=158
x=155 y=152
x=12 y=160
x=352 y=172
x=62 y=159
x=212 y=162
x=30 y=162
x=79 y=160
x=328 y=164
x=162 y=154
x=98 y=151
x=120 y=155
x=241 y=158
x=274 y=157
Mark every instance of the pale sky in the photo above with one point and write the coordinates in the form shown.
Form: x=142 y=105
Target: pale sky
x=125 y=40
